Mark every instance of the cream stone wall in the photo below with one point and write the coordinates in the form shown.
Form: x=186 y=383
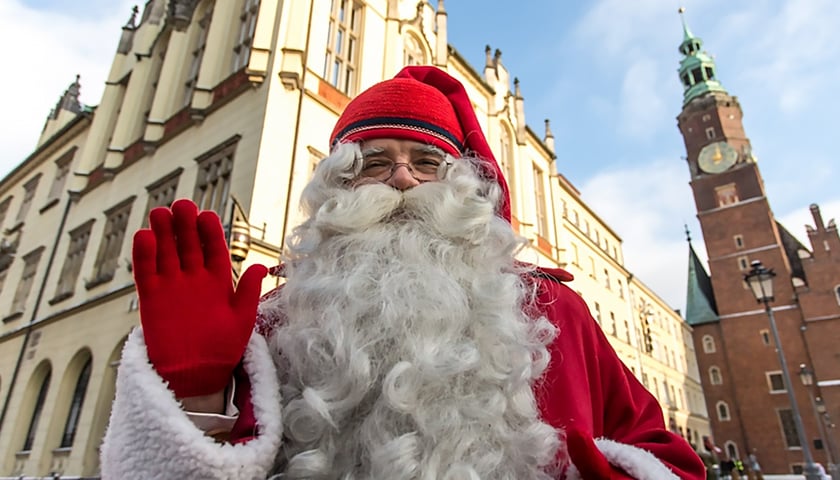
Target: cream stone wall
x=281 y=111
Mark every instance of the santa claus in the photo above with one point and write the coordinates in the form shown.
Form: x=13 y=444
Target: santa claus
x=406 y=343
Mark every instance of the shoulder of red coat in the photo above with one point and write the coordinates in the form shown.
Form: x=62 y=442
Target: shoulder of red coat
x=556 y=274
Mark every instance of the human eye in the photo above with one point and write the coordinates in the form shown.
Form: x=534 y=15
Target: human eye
x=374 y=165
x=427 y=163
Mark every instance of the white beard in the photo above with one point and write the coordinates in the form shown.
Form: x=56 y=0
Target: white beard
x=405 y=353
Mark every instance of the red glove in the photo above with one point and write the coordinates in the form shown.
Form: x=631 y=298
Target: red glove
x=195 y=324
x=589 y=461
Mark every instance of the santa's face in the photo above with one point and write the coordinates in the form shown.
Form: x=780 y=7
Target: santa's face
x=401 y=164
x=405 y=353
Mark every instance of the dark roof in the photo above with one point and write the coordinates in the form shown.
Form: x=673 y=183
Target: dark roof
x=792 y=246
x=700 y=305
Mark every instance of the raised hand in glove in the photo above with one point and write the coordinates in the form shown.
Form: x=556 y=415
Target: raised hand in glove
x=588 y=459
x=196 y=325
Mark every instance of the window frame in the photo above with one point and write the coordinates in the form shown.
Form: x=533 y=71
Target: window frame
x=215 y=165
x=76 y=403
x=245 y=36
x=111 y=244
x=341 y=65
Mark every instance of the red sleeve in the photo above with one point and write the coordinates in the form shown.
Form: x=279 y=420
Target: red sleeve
x=588 y=387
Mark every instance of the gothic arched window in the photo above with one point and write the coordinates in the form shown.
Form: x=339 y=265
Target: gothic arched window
x=709 y=344
x=36 y=413
x=76 y=407
x=414 y=53
x=723 y=412
x=714 y=376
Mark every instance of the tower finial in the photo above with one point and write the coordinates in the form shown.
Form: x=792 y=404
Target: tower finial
x=686 y=31
x=133 y=18
x=687 y=231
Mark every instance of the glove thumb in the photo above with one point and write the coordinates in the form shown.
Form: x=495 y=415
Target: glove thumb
x=248 y=289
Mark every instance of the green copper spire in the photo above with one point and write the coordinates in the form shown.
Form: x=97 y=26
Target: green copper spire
x=697 y=69
x=700 y=306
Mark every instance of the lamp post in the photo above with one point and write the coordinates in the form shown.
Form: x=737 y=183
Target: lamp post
x=823 y=420
x=760 y=281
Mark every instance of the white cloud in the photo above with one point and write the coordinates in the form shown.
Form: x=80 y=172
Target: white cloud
x=647 y=205
x=642 y=109
x=789 y=51
x=46 y=50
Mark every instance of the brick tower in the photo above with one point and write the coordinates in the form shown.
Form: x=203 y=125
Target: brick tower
x=742 y=381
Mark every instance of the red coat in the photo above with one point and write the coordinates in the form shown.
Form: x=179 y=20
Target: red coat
x=586 y=386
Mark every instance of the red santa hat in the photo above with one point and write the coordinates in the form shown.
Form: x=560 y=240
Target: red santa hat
x=424 y=104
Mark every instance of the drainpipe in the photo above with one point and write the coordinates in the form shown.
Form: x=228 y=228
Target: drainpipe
x=34 y=315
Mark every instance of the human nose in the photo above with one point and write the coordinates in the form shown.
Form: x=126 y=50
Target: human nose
x=402 y=178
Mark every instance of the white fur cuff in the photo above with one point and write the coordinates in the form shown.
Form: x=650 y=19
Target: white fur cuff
x=150 y=436
x=636 y=462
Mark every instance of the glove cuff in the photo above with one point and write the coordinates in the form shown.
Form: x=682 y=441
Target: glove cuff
x=196 y=379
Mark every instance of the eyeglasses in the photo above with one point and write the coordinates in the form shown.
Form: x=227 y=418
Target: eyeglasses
x=424 y=169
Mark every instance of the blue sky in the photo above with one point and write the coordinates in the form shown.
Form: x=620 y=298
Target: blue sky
x=603 y=72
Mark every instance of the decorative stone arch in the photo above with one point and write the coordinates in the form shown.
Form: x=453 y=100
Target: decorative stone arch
x=103 y=380
x=709 y=345
x=30 y=414
x=731 y=449
x=71 y=390
x=416 y=50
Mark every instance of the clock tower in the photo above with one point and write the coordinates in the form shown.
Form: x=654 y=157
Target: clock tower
x=739 y=367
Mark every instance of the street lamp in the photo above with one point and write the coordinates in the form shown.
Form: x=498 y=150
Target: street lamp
x=823 y=420
x=760 y=281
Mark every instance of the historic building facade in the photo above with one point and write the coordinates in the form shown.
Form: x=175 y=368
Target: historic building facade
x=741 y=371
x=231 y=103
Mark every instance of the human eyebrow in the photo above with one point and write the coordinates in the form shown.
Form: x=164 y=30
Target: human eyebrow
x=367 y=152
x=430 y=149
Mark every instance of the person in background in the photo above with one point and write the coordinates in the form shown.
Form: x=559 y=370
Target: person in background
x=406 y=343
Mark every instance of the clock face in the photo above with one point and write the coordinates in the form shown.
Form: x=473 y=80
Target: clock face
x=717 y=157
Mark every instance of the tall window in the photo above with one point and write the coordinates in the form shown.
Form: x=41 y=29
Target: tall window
x=73 y=261
x=789 y=428
x=36 y=413
x=715 y=377
x=4 y=209
x=723 y=412
x=197 y=55
x=341 y=62
x=539 y=199
x=116 y=222
x=28 y=194
x=75 y=407
x=247 y=25
x=414 y=54
x=598 y=312
x=709 y=344
x=212 y=186
x=162 y=193
x=30 y=268
x=61 y=173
